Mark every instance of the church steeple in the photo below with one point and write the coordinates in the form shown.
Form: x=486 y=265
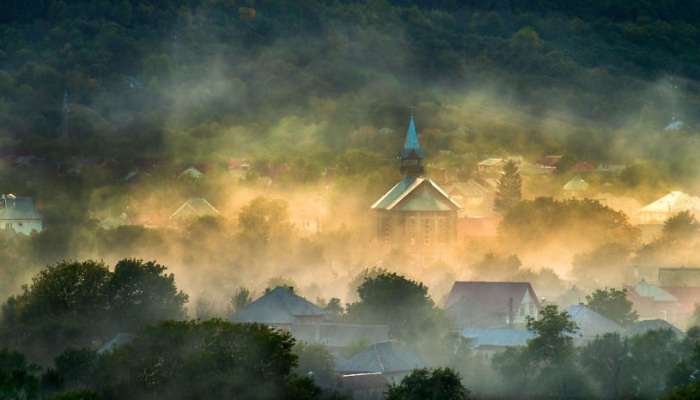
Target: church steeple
x=411 y=154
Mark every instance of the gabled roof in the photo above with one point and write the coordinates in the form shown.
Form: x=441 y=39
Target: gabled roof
x=416 y=194
x=467 y=313
x=498 y=337
x=384 y=357
x=591 y=323
x=339 y=335
x=583 y=166
x=674 y=202
x=576 y=184
x=411 y=148
x=195 y=207
x=491 y=162
x=18 y=208
x=470 y=188
x=493 y=297
x=645 y=289
x=192 y=172
x=571 y=297
x=548 y=161
x=278 y=306
x=643 y=327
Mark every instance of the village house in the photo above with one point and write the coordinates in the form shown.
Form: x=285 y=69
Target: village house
x=416 y=214
x=548 y=164
x=492 y=304
x=18 y=215
x=576 y=188
x=653 y=302
x=491 y=166
x=668 y=206
x=487 y=341
x=590 y=324
x=193 y=208
x=281 y=308
x=391 y=360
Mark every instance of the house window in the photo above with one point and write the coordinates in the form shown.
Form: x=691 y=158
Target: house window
x=522 y=311
x=8 y=225
x=426 y=232
x=532 y=308
x=412 y=228
x=441 y=230
x=386 y=228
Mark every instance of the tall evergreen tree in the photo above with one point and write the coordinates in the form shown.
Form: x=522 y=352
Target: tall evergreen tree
x=509 y=188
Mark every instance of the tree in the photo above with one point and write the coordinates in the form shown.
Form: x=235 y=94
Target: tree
x=613 y=304
x=399 y=302
x=509 y=188
x=73 y=304
x=553 y=342
x=18 y=379
x=681 y=226
x=141 y=292
x=262 y=220
x=178 y=359
x=239 y=300
x=439 y=383
x=608 y=360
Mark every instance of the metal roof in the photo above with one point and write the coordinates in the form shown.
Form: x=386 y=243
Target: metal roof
x=383 y=357
x=591 y=323
x=674 y=202
x=498 y=337
x=18 y=208
x=427 y=197
x=278 y=306
x=576 y=184
x=411 y=147
x=646 y=289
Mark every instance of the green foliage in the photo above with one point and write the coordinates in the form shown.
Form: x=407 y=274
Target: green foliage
x=509 y=188
x=534 y=224
x=553 y=342
x=315 y=361
x=399 y=302
x=263 y=220
x=72 y=304
x=681 y=226
x=18 y=380
x=607 y=359
x=613 y=304
x=439 y=383
x=217 y=358
x=239 y=300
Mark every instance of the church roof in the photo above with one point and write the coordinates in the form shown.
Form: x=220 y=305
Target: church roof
x=416 y=194
x=411 y=148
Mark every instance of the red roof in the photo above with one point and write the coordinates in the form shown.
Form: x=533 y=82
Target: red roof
x=583 y=167
x=548 y=161
x=491 y=296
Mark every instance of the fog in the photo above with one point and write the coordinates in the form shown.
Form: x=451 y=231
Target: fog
x=318 y=110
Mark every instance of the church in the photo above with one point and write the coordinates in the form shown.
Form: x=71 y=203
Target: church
x=416 y=215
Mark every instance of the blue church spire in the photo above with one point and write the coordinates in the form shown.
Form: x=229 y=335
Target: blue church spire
x=411 y=145
x=411 y=154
